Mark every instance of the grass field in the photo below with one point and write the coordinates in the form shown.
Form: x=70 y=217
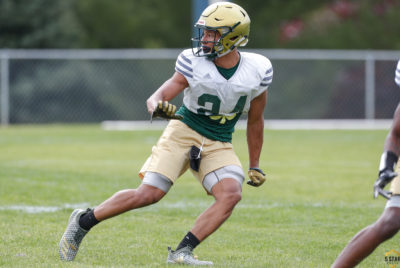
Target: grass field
x=318 y=195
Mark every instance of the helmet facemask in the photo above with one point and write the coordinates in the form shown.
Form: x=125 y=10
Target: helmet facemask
x=217 y=49
x=198 y=46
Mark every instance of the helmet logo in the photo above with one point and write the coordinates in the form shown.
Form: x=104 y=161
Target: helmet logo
x=201 y=22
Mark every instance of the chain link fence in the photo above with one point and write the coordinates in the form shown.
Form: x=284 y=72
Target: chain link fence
x=81 y=86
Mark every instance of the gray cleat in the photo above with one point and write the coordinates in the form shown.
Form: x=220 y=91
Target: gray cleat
x=72 y=237
x=184 y=256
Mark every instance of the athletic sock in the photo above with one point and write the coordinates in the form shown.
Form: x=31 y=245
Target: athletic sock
x=88 y=220
x=189 y=240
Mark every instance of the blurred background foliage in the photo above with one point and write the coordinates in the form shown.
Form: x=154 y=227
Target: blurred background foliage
x=62 y=90
x=308 y=24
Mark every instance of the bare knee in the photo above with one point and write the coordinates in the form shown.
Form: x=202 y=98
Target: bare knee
x=227 y=192
x=236 y=197
x=231 y=198
x=389 y=223
x=143 y=196
x=148 y=198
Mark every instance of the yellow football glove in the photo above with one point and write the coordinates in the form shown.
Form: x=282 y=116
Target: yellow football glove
x=166 y=110
x=257 y=177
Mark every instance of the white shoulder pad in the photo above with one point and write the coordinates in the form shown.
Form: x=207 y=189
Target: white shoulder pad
x=261 y=66
x=184 y=63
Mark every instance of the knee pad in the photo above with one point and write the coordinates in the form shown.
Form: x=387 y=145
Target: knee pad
x=157 y=180
x=393 y=202
x=232 y=172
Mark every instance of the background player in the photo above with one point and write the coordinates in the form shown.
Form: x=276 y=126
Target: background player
x=365 y=242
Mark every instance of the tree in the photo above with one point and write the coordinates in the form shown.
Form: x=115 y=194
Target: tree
x=39 y=24
x=135 y=24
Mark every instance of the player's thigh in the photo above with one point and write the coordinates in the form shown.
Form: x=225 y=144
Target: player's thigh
x=395 y=184
x=170 y=157
x=217 y=155
x=229 y=179
x=157 y=180
x=395 y=189
x=394 y=201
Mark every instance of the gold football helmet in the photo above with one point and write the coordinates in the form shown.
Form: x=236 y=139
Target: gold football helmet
x=232 y=23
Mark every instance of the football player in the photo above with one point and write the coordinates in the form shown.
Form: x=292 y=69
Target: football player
x=219 y=85
x=365 y=242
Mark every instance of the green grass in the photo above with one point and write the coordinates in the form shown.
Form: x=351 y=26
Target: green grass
x=318 y=195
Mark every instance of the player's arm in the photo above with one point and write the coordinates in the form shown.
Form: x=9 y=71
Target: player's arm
x=166 y=92
x=389 y=157
x=392 y=142
x=255 y=138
